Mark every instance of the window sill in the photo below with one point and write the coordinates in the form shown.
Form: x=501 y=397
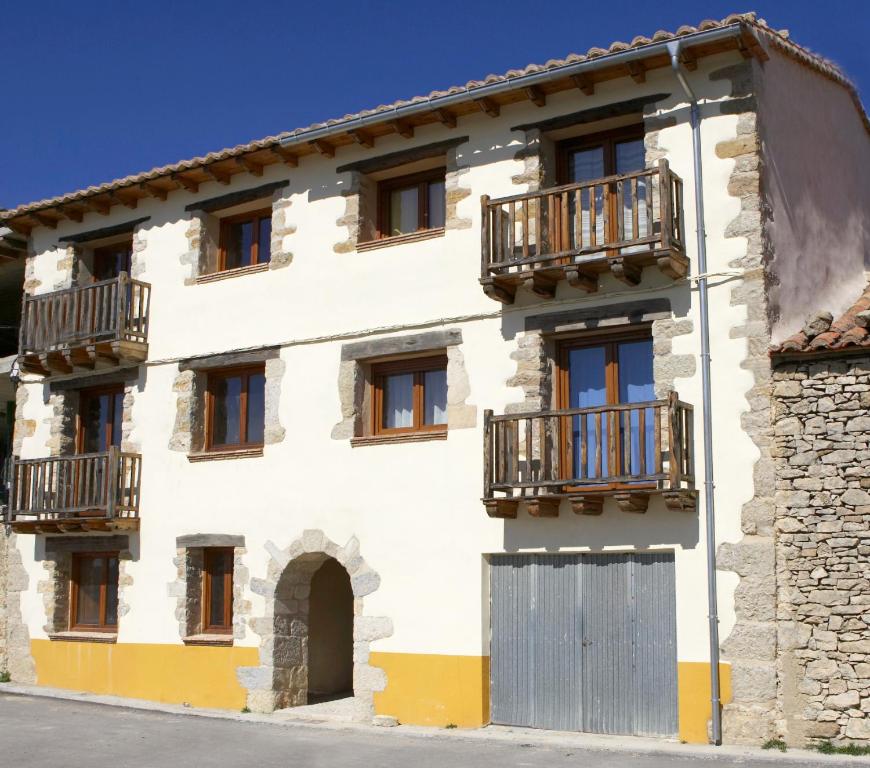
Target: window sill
x=412 y=237
x=85 y=637
x=213 y=640
x=407 y=437
x=241 y=453
x=226 y=274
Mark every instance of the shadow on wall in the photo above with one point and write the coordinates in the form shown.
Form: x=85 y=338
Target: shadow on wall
x=658 y=526
x=330 y=632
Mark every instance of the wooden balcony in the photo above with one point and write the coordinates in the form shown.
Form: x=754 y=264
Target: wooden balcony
x=624 y=452
x=90 y=327
x=618 y=224
x=87 y=492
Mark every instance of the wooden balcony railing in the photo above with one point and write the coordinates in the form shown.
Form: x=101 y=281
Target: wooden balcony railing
x=626 y=452
x=618 y=224
x=87 y=327
x=90 y=491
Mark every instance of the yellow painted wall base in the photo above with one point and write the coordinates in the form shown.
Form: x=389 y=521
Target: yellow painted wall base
x=199 y=675
x=429 y=689
x=693 y=681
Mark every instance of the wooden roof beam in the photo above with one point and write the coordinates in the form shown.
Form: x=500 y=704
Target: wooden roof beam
x=445 y=117
x=536 y=96
x=584 y=83
x=96 y=205
x=287 y=157
x=189 y=184
x=749 y=47
x=405 y=130
x=125 y=200
x=46 y=221
x=488 y=106
x=688 y=59
x=75 y=214
x=219 y=176
x=323 y=147
x=637 y=71
x=362 y=138
x=152 y=189
x=249 y=165
x=16 y=225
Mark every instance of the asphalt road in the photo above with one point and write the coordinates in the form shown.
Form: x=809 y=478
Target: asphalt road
x=37 y=732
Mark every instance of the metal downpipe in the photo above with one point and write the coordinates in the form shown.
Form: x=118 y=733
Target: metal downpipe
x=709 y=501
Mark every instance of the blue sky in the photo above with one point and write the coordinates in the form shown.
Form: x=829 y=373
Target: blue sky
x=95 y=90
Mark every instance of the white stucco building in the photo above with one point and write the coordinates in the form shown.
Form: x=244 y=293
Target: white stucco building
x=408 y=404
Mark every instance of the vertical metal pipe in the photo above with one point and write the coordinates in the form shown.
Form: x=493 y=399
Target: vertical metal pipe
x=709 y=500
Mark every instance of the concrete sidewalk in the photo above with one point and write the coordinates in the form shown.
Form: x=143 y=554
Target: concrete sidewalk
x=625 y=745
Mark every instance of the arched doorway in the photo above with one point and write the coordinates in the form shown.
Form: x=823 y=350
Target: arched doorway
x=330 y=634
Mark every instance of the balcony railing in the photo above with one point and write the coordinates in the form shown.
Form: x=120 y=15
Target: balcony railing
x=627 y=452
x=90 y=491
x=82 y=328
x=618 y=224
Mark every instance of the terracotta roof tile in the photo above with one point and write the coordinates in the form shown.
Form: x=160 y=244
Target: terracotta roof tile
x=777 y=38
x=845 y=333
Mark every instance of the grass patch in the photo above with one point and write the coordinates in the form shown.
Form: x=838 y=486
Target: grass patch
x=827 y=748
x=775 y=744
x=5 y=677
x=450 y=726
x=245 y=710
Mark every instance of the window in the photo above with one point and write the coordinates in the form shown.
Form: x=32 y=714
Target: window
x=235 y=408
x=410 y=396
x=94 y=592
x=411 y=203
x=100 y=416
x=111 y=260
x=596 y=372
x=245 y=240
x=217 y=591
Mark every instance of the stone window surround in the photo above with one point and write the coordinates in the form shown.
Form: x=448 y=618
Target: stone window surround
x=361 y=195
x=203 y=233
x=355 y=384
x=64 y=398
x=56 y=553
x=187 y=588
x=188 y=433
x=536 y=347
x=281 y=678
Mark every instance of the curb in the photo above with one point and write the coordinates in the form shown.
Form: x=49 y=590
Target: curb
x=627 y=745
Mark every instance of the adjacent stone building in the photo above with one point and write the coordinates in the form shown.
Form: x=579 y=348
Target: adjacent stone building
x=821 y=448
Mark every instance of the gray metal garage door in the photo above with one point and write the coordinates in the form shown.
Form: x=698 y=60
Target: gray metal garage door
x=585 y=642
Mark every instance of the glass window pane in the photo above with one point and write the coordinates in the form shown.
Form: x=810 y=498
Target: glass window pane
x=219 y=564
x=587 y=388
x=264 y=244
x=636 y=386
x=435 y=397
x=90 y=577
x=630 y=156
x=437 y=202
x=226 y=391
x=403 y=211
x=586 y=165
x=256 y=407
x=117 y=417
x=398 y=401
x=94 y=420
x=238 y=245
x=112 y=592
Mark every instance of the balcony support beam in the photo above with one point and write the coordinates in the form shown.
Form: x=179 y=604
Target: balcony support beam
x=625 y=270
x=501 y=508
x=587 y=505
x=632 y=501
x=542 y=506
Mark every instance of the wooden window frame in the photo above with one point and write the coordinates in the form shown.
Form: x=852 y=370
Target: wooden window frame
x=416 y=366
x=610 y=339
x=85 y=395
x=222 y=373
x=422 y=179
x=100 y=254
x=255 y=217
x=75 y=578
x=209 y=553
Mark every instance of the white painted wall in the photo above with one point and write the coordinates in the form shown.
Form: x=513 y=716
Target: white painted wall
x=416 y=507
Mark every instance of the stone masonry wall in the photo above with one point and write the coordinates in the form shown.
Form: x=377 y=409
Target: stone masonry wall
x=822 y=451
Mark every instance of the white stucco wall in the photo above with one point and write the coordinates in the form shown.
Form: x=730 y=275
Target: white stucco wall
x=415 y=508
x=816 y=154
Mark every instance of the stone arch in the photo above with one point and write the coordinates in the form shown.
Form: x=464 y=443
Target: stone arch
x=281 y=679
